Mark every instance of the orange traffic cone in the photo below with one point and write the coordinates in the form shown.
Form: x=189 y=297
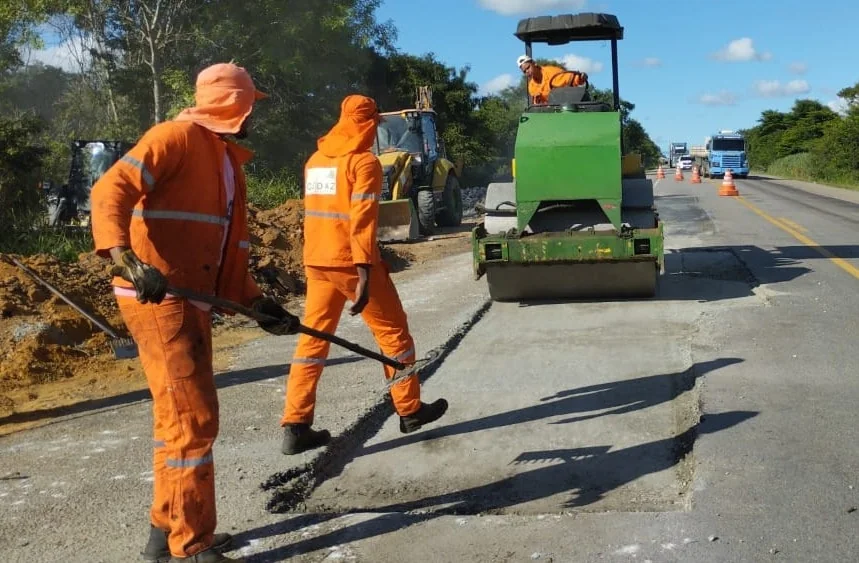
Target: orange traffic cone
x=660 y=173
x=678 y=174
x=728 y=188
x=696 y=177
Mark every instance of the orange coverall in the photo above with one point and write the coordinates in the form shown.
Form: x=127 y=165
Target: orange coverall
x=167 y=200
x=551 y=76
x=343 y=182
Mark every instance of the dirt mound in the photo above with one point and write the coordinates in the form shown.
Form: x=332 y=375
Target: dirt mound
x=52 y=355
x=277 y=245
x=42 y=338
x=276 y=249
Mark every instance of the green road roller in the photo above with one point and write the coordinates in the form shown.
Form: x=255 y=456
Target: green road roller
x=578 y=221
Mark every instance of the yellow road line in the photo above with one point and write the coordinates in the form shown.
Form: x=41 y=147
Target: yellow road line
x=840 y=262
x=793 y=225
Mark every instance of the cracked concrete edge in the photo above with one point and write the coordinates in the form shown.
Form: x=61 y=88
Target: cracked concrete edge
x=290 y=488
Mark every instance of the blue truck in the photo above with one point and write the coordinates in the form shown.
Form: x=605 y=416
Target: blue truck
x=722 y=151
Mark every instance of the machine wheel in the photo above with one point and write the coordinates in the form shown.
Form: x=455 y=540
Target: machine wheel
x=425 y=204
x=451 y=197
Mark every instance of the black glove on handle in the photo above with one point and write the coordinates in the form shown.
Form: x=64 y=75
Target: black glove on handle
x=150 y=284
x=287 y=323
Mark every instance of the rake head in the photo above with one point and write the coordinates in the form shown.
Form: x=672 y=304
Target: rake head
x=123 y=348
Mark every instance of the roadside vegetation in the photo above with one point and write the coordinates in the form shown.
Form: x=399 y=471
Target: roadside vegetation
x=133 y=67
x=810 y=142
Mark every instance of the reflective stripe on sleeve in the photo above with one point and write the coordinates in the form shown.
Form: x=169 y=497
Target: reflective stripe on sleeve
x=147 y=176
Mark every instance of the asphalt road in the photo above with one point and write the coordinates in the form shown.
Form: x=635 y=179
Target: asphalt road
x=713 y=423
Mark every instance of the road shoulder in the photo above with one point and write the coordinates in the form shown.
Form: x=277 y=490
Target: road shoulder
x=823 y=190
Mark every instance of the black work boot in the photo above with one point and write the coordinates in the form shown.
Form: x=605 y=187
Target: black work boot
x=298 y=438
x=208 y=556
x=426 y=414
x=157 y=550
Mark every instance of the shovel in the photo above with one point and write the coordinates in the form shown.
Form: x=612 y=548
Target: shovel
x=403 y=370
x=123 y=348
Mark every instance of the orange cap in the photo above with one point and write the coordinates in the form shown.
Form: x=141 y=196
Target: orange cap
x=356 y=129
x=225 y=95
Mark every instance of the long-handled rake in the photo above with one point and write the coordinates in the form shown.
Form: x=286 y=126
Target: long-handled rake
x=123 y=348
x=403 y=370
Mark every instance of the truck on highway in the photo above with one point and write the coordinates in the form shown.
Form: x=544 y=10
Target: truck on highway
x=722 y=151
x=675 y=151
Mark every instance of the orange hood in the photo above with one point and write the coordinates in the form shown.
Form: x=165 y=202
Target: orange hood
x=225 y=96
x=356 y=129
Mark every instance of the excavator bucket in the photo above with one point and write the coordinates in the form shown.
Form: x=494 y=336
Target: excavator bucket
x=398 y=221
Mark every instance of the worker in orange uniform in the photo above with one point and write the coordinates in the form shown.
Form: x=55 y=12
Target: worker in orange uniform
x=343 y=183
x=542 y=78
x=173 y=211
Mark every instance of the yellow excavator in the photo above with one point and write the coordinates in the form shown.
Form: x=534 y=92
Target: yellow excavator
x=420 y=185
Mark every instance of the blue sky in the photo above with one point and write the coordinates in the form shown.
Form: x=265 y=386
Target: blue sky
x=690 y=67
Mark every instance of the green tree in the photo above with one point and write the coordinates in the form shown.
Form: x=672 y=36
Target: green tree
x=20 y=160
x=850 y=94
x=394 y=81
x=807 y=122
x=17 y=22
x=837 y=152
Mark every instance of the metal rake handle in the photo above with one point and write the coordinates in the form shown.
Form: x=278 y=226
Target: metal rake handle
x=248 y=312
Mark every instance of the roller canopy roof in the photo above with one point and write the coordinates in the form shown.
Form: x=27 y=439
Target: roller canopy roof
x=558 y=30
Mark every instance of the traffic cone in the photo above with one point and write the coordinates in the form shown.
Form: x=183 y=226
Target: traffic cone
x=696 y=177
x=728 y=187
x=678 y=174
x=660 y=173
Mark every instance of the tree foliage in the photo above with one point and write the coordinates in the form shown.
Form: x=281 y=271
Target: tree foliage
x=137 y=60
x=829 y=141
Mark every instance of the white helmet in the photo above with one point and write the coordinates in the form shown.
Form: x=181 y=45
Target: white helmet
x=523 y=59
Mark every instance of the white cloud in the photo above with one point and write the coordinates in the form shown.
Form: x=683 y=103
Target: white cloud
x=652 y=62
x=513 y=7
x=584 y=64
x=774 y=88
x=498 y=83
x=838 y=105
x=797 y=87
x=741 y=50
x=798 y=67
x=723 y=98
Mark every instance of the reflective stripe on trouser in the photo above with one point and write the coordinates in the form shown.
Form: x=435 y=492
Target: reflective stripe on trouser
x=174 y=340
x=327 y=292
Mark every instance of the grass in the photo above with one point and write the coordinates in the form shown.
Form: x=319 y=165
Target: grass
x=802 y=167
x=64 y=244
x=267 y=190
x=25 y=232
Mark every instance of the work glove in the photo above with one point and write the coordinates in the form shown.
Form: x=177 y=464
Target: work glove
x=362 y=290
x=286 y=322
x=150 y=284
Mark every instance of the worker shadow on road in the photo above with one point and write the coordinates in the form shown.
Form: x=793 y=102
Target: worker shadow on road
x=579 y=476
x=91 y=406
x=583 y=403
